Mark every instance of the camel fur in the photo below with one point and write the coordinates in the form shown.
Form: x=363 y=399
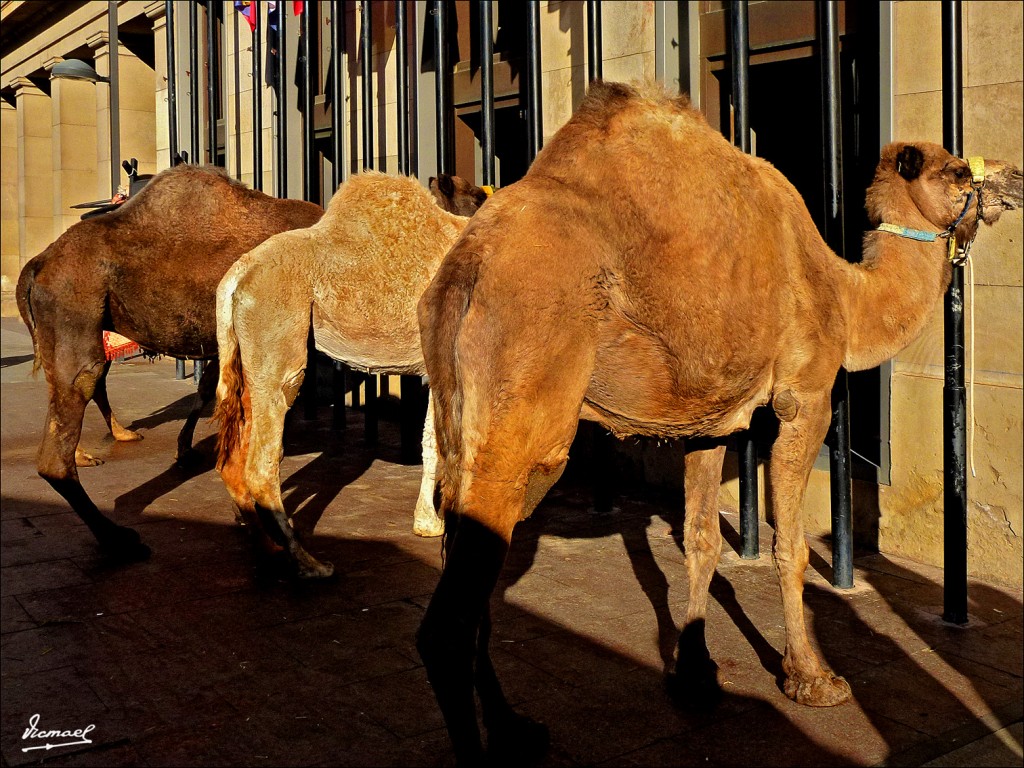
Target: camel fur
x=357 y=276
x=649 y=276
x=147 y=270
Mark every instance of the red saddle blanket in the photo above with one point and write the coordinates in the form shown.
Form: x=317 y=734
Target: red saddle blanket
x=116 y=346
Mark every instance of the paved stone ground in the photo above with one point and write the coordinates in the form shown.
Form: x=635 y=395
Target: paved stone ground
x=199 y=657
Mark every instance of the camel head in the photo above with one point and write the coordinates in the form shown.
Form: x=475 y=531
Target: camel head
x=922 y=179
x=456 y=195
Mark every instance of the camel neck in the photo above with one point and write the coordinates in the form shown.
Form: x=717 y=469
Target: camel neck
x=890 y=295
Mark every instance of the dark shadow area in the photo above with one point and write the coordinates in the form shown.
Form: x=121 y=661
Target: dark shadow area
x=7 y=362
x=176 y=411
x=194 y=663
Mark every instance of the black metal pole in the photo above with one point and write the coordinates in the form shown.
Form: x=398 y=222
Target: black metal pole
x=370 y=413
x=193 y=77
x=257 y=99
x=534 y=115
x=172 y=86
x=338 y=92
x=281 y=83
x=366 y=45
x=212 y=86
x=442 y=78
x=739 y=63
x=954 y=424
x=115 y=98
x=339 y=418
x=839 y=448
x=212 y=82
x=412 y=402
x=237 y=98
x=310 y=157
x=310 y=176
x=402 y=84
x=595 y=63
x=487 y=92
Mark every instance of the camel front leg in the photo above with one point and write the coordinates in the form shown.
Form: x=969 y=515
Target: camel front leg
x=695 y=679
x=120 y=433
x=83 y=459
x=206 y=390
x=807 y=681
x=426 y=521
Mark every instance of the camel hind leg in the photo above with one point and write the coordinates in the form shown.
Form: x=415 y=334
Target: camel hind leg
x=523 y=453
x=73 y=374
x=695 y=680
x=273 y=362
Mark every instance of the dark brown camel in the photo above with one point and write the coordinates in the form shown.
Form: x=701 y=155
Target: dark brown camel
x=647 y=275
x=147 y=270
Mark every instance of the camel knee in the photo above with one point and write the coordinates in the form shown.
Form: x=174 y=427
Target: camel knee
x=86 y=381
x=292 y=386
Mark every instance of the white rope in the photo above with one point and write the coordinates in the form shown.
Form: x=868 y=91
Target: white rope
x=970 y=383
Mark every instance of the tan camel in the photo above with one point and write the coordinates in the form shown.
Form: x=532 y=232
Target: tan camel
x=148 y=270
x=648 y=276
x=358 y=274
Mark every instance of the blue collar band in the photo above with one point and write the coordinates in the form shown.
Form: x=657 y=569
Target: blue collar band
x=914 y=234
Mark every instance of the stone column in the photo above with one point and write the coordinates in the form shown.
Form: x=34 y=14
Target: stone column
x=156 y=11
x=73 y=132
x=35 y=170
x=10 y=264
x=137 y=110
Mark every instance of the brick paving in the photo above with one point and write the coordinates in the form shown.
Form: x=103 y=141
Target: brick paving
x=201 y=657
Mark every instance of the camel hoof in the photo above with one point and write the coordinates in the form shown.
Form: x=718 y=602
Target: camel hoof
x=826 y=691
x=516 y=741
x=83 y=459
x=188 y=459
x=695 y=685
x=124 y=545
x=430 y=526
x=308 y=567
x=127 y=436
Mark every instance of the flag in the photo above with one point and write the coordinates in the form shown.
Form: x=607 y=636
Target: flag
x=249 y=11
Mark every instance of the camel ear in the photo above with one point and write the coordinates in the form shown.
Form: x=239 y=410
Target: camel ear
x=909 y=162
x=445 y=185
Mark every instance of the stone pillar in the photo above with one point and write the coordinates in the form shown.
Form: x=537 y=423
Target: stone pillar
x=10 y=264
x=156 y=11
x=35 y=170
x=73 y=132
x=137 y=111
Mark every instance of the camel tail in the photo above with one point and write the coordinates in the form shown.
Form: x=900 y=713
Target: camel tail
x=23 y=295
x=441 y=312
x=231 y=385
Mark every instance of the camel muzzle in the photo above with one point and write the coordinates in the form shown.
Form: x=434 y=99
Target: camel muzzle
x=1004 y=190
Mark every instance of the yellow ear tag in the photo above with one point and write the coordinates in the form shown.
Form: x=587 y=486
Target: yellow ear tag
x=488 y=189
x=977 y=166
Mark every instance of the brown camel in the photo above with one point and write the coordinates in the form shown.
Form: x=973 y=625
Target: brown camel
x=648 y=276
x=147 y=270
x=357 y=274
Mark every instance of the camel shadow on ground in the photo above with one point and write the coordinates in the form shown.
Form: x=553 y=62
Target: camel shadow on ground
x=8 y=362
x=875 y=654
x=307 y=490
